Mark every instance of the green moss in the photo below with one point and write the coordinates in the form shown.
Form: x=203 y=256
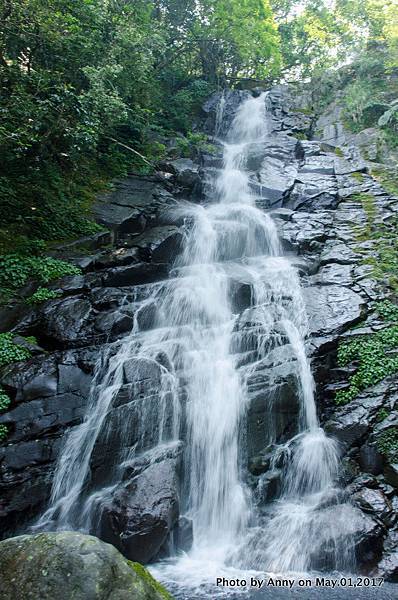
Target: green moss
x=304 y=111
x=10 y=351
x=4 y=400
x=385 y=263
x=299 y=135
x=3 y=432
x=381 y=415
x=146 y=576
x=388 y=178
x=339 y=152
x=374 y=357
x=41 y=295
x=387 y=444
x=358 y=176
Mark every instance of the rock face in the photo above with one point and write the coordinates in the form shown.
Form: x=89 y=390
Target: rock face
x=70 y=565
x=312 y=192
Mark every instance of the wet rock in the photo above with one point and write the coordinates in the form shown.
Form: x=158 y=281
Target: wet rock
x=373 y=501
x=332 y=309
x=114 y=323
x=146 y=316
x=368 y=540
x=67 y=322
x=186 y=172
x=69 y=565
x=351 y=423
x=339 y=253
x=370 y=460
x=269 y=486
x=160 y=244
x=388 y=566
x=143 y=511
x=142 y=369
x=133 y=204
x=144 y=272
x=336 y=274
x=184 y=534
x=391 y=474
x=313 y=191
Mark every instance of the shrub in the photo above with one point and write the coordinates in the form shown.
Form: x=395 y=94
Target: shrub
x=4 y=400
x=41 y=295
x=387 y=444
x=374 y=358
x=3 y=432
x=16 y=270
x=10 y=351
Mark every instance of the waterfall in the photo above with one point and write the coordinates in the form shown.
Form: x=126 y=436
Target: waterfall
x=199 y=341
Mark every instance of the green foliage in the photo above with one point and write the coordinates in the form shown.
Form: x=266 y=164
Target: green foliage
x=358 y=176
x=388 y=311
x=385 y=263
x=381 y=415
x=11 y=352
x=41 y=295
x=388 y=178
x=193 y=142
x=4 y=400
x=16 y=270
x=376 y=357
x=3 y=432
x=387 y=444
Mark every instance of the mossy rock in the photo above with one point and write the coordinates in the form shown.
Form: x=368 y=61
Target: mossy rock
x=71 y=566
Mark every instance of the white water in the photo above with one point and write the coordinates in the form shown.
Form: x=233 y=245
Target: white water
x=198 y=342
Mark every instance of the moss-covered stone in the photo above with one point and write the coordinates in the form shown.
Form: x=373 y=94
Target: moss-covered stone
x=146 y=576
x=71 y=566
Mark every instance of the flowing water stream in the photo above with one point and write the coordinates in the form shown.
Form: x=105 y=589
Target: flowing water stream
x=200 y=343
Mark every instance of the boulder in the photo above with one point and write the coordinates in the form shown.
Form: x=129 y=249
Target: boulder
x=388 y=566
x=352 y=422
x=144 y=509
x=186 y=172
x=67 y=322
x=68 y=566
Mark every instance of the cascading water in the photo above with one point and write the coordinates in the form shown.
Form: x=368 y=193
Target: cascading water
x=199 y=343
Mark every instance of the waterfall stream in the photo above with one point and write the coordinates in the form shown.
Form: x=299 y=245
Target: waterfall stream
x=199 y=342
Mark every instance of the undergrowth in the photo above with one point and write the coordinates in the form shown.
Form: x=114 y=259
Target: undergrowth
x=375 y=356
x=387 y=444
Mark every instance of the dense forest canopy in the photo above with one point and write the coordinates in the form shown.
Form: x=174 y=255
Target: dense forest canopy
x=81 y=79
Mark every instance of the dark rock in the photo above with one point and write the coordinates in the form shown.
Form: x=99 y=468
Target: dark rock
x=142 y=369
x=186 y=172
x=69 y=565
x=391 y=474
x=332 y=309
x=114 y=323
x=374 y=502
x=160 y=244
x=370 y=459
x=66 y=322
x=388 y=566
x=142 y=512
x=184 y=534
x=352 y=422
x=134 y=274
x=135 y=202
x=146 y=316
x=269 y=486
